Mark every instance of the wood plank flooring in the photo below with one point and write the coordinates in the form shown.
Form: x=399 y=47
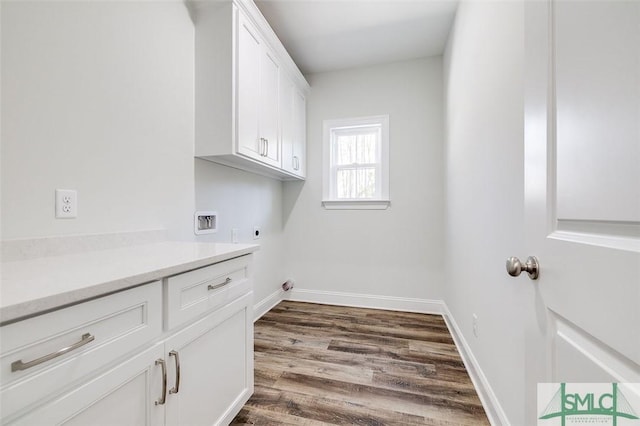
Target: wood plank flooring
x=321 y=364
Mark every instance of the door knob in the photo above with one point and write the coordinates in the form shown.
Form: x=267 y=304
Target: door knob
x=531 y=266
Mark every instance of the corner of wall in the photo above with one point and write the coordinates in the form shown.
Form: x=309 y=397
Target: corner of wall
x=490 y=401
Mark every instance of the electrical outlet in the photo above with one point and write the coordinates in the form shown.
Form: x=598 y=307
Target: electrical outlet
x=234 y=235
x=66 y=203
x=475 y=325
x=256 y=233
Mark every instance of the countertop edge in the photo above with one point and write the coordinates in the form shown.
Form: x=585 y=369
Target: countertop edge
x=21 y=311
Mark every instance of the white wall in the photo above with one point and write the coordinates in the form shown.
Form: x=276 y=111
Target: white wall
x=484 y=190
x=97 y=97
x=394 y=252
x=244 y=200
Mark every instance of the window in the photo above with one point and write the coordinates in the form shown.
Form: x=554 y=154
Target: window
x=356 y=163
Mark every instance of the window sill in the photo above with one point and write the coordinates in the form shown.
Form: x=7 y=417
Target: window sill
x=356 y=204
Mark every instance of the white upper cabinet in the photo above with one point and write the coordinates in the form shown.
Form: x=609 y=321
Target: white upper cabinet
x=269 y=114
x=299 y=133
x=245 y=117
x=292 y=127
x=257 y=96
x=248 y=110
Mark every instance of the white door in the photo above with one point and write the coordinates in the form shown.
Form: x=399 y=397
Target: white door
x=582 y=192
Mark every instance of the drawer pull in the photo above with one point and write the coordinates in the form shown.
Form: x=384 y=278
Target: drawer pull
x=163 y=398
x=176 y=388
x=19 y=365
x=213 y=287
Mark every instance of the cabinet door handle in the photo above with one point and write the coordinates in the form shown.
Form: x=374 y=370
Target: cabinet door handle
x=19 y=365
x=163 y=398
x=296 y=164
x=266 y=154
x=176 y=388
x=263 y=147
x=225 y=282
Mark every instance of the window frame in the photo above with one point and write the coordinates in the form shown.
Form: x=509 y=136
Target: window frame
x=381 y=199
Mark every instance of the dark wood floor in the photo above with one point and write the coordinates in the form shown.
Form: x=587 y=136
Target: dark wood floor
x=320 y=364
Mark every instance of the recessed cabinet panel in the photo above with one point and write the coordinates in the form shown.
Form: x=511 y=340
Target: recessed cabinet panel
x=258 y=72
x=293 y=128
x=269 y=74
x=286 y=123
x=124 y=395
x=95 y=332
x=194 y=293
x=249 y=50
x=299 y=133
x=216 y=362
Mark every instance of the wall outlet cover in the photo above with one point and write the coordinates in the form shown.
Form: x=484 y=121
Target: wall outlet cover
x=66 y=203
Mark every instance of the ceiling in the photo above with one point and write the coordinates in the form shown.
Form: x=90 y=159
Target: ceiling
x=327 y=35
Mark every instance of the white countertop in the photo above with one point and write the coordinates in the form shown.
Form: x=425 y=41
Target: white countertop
x=34 y=286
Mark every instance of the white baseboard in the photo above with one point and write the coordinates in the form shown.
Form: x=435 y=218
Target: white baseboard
x=355 y=300
x=495 y=413
x=266 y=304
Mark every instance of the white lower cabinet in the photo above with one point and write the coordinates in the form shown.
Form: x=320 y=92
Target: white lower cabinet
x=215 y=357
x=199 y=371
x=124 y=395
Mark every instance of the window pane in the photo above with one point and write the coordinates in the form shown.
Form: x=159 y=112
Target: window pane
x=346 y=149
x=346 y=183
x=366 y=183
x=356 y=183
x=356 y=146
x=366 y=148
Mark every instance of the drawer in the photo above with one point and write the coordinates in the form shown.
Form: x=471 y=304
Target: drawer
x=197 y=292
x=87 y=336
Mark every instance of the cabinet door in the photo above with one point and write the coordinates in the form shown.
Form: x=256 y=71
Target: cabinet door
x=124 y=395
x=100 y=331
x=269 y=76
x=257 y=96
x=299 y=133
x=286 y=123
x=248 y=90
x=216 y=366
x=293 y=127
